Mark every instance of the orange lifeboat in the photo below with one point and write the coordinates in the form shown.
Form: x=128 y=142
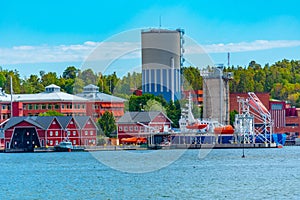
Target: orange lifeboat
x=196 y=126
x=134 y=140
x=227 y=129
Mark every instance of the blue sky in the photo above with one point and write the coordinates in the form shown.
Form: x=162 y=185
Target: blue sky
x=51 y=35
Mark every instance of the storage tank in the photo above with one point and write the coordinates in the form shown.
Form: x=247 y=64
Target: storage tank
x=161 y=62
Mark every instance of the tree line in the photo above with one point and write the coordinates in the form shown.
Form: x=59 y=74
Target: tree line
x=281 y=79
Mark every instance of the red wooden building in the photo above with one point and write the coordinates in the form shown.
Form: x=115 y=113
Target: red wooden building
x=141 y=124
x=29 y=132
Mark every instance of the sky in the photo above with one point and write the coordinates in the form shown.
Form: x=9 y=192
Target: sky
x=52 y=35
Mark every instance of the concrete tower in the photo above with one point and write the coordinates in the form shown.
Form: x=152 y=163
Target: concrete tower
x=216 y=95
x=161 y=62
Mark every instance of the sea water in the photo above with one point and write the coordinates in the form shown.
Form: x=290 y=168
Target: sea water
x=217 y=174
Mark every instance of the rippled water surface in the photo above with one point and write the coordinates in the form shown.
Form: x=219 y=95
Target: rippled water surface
x=221 y=174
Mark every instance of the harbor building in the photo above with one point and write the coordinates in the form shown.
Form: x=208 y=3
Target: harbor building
x=161 y=62
x=27 y=133
x=216 y=95
x=142 y=124
x=89 y=103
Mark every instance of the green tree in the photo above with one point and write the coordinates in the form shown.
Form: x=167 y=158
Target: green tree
x=51 y=113
x=88 y=77
x=174 y=112
x=107 y=123
x=70 y=72
x=153 y=105
x=232 y=117
x=49 y=78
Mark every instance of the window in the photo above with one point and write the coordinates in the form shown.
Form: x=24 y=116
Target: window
x=74 y=142
x=56 y=106
x=29 y=106
x=36 y=106
x=136 y=128
x=130 y=128
x=54 y=122
x=56 y=142
x=51 y=142
x=63 y=106
x=74 y=133
x=91 y=132
x=120 y=128
x=43 y=106
x=88 y=122
x=56 y=133
x=51 y=133
x=125 y=128
x=86 y=132
x=49 y=106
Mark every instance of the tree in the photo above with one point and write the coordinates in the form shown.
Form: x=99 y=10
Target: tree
x=153 y=105
x=107 y=123
x=174 y=112
x=51 y=113
x=232 y=116
x=49 y=78
x=70 y=73
x=88 y=76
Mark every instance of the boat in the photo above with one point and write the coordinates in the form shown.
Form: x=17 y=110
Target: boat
x=226 y=129
x=188 y=123
x=134 y=140
x=66 y=146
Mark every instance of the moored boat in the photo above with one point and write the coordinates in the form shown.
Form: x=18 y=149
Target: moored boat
x=66 y=146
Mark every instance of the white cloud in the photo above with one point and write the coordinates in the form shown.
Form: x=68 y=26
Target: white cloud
x=65 y=53
x=245 y=46
x=91 y=50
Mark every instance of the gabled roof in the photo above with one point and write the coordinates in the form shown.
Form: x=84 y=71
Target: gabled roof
x=142 y=117
x=82 y=120
x=44 y=122
x=16 y=120
x=64 y=120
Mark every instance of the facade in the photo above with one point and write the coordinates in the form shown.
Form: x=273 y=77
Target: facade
x=161 y=62
x=141 y=124
x=90 y=103
x=99 y=102
x=286 y=119
x=30 y=132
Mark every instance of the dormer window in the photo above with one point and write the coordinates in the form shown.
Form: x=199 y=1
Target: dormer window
x=52 y=88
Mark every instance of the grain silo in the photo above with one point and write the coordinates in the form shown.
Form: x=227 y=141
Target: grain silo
x=161 y=62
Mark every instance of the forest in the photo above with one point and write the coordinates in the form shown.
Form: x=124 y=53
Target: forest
x=281 y=80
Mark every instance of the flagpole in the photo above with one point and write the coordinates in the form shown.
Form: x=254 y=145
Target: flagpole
x=11 y=97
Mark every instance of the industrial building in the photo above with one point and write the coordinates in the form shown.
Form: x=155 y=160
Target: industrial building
x=216 y=95
x=161 y=62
